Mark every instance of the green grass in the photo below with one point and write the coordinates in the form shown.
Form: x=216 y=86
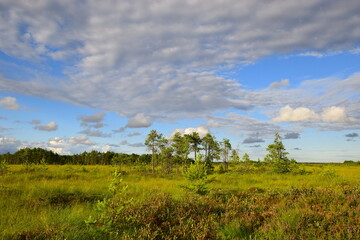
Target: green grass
x=53 y=203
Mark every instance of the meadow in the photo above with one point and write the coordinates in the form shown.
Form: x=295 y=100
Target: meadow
x=319 y=201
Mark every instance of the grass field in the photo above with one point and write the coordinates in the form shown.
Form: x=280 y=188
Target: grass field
x=55 y=202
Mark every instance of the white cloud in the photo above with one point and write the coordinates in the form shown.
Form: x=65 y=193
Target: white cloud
x=288 y=114
x=202 y=131
x=153 y=63
x=9 y=145
x=161 y=59
x=329 y=114
x=280 y=84
x=334 y=114
x=9 y=103
x=140 y=120
x=57 y=142
x=51 y=126
x=106 y=148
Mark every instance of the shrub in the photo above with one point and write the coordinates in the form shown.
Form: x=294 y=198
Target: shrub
x=198 y=177
x=4 y=168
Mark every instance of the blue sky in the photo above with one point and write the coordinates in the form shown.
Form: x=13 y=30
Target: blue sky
x=87 y=75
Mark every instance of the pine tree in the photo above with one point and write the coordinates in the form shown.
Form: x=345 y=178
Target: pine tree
x=277 y=156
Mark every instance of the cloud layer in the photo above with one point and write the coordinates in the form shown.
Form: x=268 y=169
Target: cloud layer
x=161 y=61
x=160 y=58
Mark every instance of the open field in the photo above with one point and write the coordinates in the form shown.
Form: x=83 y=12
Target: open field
x=56 y=202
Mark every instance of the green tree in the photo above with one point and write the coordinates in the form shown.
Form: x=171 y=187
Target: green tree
x=234 y=156
x=181 y=147
x=277 y=156
x=152 y=142
x=195 y=142
x=246 y=158
x=166 y=151
x=211 y=147
x=226 y=148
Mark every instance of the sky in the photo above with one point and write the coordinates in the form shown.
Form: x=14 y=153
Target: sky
x=99 y=75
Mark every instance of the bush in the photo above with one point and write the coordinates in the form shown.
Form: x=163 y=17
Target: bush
x=4 y=168
x=198 y=177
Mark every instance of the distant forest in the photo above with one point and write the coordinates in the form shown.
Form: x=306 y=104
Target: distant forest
x=39 y=155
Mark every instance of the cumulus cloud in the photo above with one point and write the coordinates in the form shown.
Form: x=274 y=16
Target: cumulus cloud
x=282 y=83
x=292 y=135
x=202 y=131
x=9 y=103
x=252 y=140
x=288 y=114
x=329 y=114
x=140 y=120
x=57 y=142
x=73 y=145
x=9 y=145
x=106 y=148
x=51 y=126
x=334 y=114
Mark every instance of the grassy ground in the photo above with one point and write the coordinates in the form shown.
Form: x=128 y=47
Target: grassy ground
x=53 y=202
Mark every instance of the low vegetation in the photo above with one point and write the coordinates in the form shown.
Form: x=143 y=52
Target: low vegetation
x=166 y=198
x=247 y=202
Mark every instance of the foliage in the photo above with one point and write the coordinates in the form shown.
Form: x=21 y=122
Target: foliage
x=4 y=168
x=197 y=176
x=195 y=142
x=181 y=147
x=110 y=209
x=153 y=141
x=226 y=148
x=277 y=156
x=53 y=204
x=235 y=159
x=246 y=158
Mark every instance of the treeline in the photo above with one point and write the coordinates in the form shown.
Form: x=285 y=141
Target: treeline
x=41 y=156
